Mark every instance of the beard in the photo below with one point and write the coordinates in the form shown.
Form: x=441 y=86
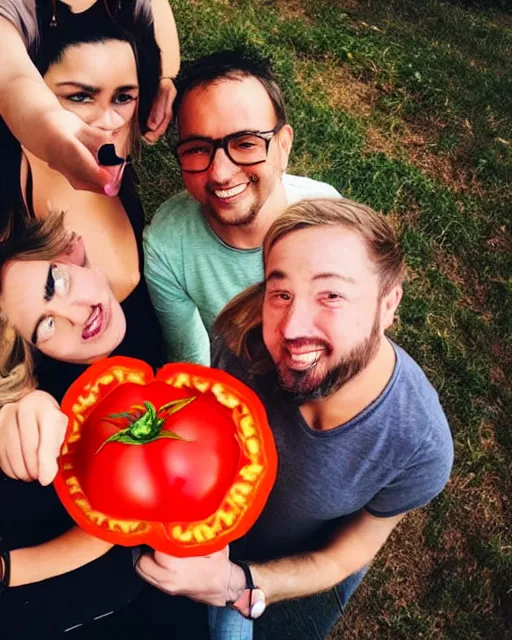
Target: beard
x=304 y=386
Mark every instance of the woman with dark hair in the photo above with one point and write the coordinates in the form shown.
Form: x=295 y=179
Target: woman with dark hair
x=31 y=111
x=54 y=578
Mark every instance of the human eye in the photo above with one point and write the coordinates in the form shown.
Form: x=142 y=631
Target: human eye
x=45 y=329
x=60 y=280
x=124 y=98
x=81 y=96
x=195 y=149
x=331 y=297
x=279 y=297
x=247 y=142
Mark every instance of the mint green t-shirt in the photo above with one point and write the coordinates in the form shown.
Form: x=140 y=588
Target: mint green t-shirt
x=192 y=274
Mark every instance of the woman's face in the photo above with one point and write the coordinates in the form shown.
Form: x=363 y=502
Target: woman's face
x=98 y=82
x=65 y=310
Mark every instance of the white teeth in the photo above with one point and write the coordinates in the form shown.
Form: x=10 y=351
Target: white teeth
x=229 y=193
x=304 y=358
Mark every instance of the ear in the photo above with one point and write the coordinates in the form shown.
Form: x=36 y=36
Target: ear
x=285 y=138
x=389 y=306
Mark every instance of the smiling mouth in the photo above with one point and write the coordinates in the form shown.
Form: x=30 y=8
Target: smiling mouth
x=95 y=323
x=224 y=194
x=303 y=360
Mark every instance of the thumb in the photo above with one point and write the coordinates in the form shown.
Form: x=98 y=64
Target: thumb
x=52 y=431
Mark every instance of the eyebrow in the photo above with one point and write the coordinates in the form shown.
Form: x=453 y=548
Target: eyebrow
x=281 y=275
x=90 y=89
x=48 y=295
x=84 y=87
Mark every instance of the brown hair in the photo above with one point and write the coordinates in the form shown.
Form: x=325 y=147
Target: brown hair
x=242 y=315
x=41 y=240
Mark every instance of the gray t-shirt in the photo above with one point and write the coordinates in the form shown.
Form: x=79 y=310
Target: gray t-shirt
x=394 y=456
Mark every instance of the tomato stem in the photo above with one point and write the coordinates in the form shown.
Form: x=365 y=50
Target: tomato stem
x=145 y=423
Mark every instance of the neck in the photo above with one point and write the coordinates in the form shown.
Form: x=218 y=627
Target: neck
x=354 y=396
x=251 y=236
x=77 y=6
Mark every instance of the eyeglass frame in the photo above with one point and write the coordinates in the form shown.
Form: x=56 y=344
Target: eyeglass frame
x=222 y=143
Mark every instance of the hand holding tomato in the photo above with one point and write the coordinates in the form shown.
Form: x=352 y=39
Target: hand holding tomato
x=211 y=579
x=183 y=462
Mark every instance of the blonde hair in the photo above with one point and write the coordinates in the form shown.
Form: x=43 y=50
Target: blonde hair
x=243 y=314
x=41 y=240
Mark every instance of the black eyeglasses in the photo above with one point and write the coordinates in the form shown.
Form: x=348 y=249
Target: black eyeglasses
x=242 y=148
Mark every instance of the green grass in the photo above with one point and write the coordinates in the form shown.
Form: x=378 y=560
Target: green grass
x=408 y=107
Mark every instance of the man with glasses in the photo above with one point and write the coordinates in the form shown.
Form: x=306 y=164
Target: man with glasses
x=204 y=245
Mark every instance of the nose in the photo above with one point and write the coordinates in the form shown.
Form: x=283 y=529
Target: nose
x=76 y=311
x=298 y=321
x=108 y=120
x=222 y=169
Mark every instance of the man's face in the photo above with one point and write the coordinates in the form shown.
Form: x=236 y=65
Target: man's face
x=323 y=316
x=232 y=194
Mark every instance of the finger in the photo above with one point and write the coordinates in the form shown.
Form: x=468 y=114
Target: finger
x=52 y=430
x=14 y=456
x=26 y=440
x=157 y=113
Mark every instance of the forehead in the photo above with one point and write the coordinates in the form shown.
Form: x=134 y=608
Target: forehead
x=226 y=105
x=100 y=64
x=308 y=252
x=22 y=288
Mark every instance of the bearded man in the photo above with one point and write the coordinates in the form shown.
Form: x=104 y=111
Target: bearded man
x=361 y=436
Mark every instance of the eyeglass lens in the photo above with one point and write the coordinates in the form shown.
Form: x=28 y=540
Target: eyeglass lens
x=195 y=155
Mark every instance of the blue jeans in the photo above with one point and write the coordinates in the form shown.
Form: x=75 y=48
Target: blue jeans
x=308 y=618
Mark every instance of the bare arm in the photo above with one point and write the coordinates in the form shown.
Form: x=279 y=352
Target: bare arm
x=166 y=36
x=352 y=548
x=214 y=580
x=72 y=550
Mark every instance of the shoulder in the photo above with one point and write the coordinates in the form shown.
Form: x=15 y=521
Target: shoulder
x=300 y=188
x=223 y=358
x=415 y=405
x=176 y=217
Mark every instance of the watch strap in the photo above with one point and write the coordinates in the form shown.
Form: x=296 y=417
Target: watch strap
x=252 y=602
x=5 y=555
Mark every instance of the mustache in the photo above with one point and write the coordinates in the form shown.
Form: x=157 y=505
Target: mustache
x=212 y=186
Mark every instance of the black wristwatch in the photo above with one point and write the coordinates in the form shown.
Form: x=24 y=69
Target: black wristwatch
x=251 y=603
x=5 y=556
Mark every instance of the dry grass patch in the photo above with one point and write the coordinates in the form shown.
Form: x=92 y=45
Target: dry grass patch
x=332 y=84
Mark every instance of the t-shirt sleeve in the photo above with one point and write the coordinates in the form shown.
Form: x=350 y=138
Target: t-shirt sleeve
x=22 y=14
x=183 y=329
x=423 y=478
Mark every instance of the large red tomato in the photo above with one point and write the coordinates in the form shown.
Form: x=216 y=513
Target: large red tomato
x=183 y=462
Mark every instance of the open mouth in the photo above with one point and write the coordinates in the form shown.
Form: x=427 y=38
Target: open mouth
x=301 y=361
x=225 y=194
x=95 y=323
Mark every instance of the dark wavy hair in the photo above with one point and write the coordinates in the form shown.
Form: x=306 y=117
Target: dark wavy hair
x=74 y=29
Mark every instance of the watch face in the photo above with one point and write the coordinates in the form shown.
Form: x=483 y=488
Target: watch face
x=251 y=604
x=258 y=603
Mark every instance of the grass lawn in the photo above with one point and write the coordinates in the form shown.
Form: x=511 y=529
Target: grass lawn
x=407 y=106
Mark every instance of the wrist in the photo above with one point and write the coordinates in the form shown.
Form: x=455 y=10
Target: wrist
x=236 y=582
